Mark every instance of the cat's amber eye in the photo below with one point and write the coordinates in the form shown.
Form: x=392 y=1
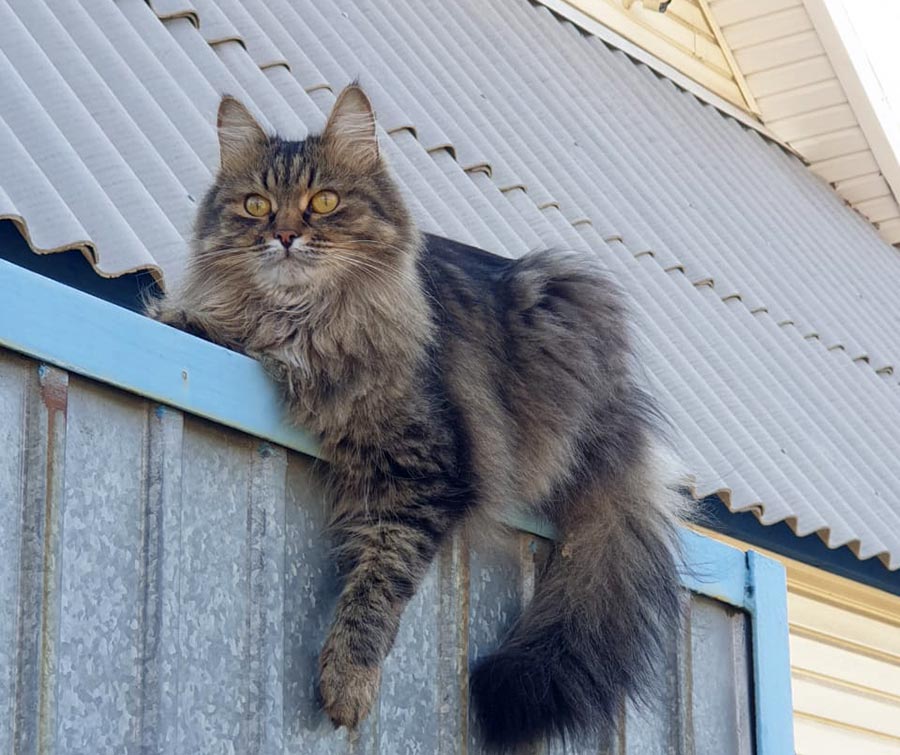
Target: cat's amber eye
x=324 y=202
x=258 y=206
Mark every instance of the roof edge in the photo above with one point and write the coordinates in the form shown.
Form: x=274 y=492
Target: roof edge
x=808 y=549
x=88 y=250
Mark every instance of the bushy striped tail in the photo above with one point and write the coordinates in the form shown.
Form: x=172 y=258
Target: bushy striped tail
x=605 y=607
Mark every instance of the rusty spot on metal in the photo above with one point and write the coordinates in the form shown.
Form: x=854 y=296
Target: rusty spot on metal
x=54 y=385
x=54 y=388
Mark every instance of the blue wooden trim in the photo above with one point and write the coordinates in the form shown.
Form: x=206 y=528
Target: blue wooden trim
x=532 y=524
x=767 y=603
x=710 y=568
x=714 y=569
x=757 y=585
x=81 y=333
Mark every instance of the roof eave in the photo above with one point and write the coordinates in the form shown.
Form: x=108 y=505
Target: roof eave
x=851 y=65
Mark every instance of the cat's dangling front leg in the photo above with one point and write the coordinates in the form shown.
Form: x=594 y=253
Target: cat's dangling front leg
x=383 y=558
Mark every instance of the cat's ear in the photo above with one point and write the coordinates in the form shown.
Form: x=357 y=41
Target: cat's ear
x=350 y=130
x=238 y=131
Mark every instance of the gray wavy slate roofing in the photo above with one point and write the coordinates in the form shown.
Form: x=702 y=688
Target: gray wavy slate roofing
x=769 y=307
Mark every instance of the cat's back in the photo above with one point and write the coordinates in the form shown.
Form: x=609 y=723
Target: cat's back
x=551 y=291
x=532 y=351
x=453 y=269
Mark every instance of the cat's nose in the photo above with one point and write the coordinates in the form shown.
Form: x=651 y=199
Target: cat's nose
x=286 y=237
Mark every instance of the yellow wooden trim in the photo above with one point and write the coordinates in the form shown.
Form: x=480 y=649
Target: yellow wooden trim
x=688 y=40
x=825 y=587
x=739 y=79
x=666 y=49
x=841 y=625
x=609 y=36
x=845 y=707
x=689 y=14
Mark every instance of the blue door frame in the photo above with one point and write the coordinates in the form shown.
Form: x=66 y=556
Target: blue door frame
x=757 y=585
x=62 y=326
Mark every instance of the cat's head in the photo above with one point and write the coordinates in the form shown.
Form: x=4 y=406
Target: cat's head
x=285 y=215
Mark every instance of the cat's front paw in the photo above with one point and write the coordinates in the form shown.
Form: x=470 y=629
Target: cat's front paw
x=347 y=690
x=161 y=311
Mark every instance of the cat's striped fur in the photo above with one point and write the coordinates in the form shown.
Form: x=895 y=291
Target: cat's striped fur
x=442 y=381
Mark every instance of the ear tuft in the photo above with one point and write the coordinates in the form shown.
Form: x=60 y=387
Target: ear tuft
x=238 y=131
x=350 y=130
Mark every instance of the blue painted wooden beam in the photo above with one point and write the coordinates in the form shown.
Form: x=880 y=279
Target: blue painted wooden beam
x=92 y=337
x=757 y=585
x=809 y=549
x=714 y=569
x=767 y=604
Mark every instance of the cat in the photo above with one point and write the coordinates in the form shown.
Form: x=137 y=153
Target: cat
x=445 y=382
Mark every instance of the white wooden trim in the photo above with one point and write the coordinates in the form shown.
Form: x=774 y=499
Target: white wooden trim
x=842 y=50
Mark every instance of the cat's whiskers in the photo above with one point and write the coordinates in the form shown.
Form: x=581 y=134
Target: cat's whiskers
x=398 y=274
x=331 y=246
x=228 y=257
x=402 y=275
x=225 y=251
x=374 y=242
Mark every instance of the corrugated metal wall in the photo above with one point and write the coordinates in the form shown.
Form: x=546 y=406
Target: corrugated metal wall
x=165 y=587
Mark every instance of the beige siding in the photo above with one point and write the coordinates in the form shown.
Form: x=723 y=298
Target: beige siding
x=797 y=70
x=845 y=663
x=845 y=671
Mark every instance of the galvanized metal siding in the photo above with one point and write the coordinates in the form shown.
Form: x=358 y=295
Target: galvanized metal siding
x=165 y=586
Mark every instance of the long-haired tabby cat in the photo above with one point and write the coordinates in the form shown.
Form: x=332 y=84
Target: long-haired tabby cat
x=444 y=381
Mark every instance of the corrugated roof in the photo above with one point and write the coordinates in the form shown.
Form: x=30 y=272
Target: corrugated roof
x=769 y=307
